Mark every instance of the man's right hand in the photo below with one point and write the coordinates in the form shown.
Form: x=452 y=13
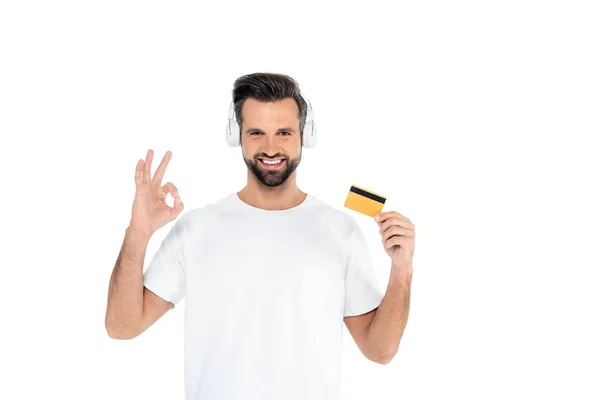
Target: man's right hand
x=150 y=210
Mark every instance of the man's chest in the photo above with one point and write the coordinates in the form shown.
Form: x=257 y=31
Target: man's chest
x=266 y=266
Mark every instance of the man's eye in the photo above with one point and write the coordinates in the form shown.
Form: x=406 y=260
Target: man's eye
x=252 y=133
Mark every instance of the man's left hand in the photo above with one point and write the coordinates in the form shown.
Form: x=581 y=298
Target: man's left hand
x=398 y=238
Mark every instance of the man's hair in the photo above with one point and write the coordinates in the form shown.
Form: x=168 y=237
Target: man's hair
x=268 y=87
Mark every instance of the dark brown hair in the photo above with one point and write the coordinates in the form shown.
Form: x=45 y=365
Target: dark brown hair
x=265 y=86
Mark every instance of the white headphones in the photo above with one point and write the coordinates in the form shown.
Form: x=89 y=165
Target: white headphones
x=309 y=135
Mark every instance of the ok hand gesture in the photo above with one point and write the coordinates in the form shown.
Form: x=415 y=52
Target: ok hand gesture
x=150 y=210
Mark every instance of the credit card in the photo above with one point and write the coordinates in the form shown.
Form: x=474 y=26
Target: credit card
x=364 y=201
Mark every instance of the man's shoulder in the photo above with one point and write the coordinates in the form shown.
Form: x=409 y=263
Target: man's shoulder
x=201 y=215
x=338 y=220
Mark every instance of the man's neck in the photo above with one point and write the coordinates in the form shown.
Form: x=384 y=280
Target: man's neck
x=279 y=198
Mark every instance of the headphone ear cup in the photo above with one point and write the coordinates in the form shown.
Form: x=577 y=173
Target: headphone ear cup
x=309 y=136
x=233 y=133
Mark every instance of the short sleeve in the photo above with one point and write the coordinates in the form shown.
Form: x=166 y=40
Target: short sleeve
x=164 y=275
x=363 y=292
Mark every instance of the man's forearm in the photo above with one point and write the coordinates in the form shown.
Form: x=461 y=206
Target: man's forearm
x=124 y=309
x=387 y=326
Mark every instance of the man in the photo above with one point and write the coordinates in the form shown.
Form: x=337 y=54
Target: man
x=269 y=273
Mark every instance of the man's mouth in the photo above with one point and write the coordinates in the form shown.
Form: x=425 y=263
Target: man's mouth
x=272 y=164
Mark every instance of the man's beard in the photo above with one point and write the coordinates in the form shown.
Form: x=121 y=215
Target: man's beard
x=273 y=178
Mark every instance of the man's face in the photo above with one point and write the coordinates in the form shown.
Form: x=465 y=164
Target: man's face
x=271 y=132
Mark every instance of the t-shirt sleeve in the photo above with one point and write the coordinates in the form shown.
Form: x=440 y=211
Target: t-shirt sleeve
x=164 y=275
x=363 y=292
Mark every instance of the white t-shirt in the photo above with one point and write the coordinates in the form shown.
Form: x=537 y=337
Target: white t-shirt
x=266 y=293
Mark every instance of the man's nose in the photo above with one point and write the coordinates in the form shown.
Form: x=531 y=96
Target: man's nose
x=272 y=146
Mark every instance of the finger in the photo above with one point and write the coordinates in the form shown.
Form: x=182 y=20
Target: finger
x=388 y=214
x=177 y=207
x=395 y=221
x=397 y=231
x=395 y=240
x=139 y=168
x=160 y=171
x=147 y=166
x=169 y=187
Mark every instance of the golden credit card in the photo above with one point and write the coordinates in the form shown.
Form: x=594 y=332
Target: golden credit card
x=364 y=201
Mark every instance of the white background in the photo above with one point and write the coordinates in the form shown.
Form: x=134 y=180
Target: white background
x=477 y=120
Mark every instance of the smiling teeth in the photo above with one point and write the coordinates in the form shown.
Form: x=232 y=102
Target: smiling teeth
x=271 y=162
